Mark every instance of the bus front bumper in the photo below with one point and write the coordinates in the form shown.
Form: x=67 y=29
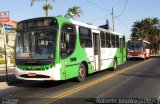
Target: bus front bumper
x=50 y=74
x=136 y=56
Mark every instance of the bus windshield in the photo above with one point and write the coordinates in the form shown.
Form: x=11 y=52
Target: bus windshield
x=36 y=44
x=135 y=47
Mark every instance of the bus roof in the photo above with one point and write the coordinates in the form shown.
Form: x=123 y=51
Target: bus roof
x=93 y=27
x=139 y=40
x=78 y=24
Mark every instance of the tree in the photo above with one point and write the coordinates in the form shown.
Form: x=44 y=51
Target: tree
x=46 y=6
x=147 y=29
x=137 y=30
x=74 y=12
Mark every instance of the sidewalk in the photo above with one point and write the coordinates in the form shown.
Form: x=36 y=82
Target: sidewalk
x=155 y=55
x=4 y=85
x=3 y=66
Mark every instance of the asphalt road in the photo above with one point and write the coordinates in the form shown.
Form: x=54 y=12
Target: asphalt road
x=10 y=74
x=136 y=80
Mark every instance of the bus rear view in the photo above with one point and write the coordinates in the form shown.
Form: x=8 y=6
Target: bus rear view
x=138 y=49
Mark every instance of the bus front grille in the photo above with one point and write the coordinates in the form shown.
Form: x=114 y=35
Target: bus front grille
x=37 y=76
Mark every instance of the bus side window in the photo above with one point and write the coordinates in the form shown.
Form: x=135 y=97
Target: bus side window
x=85 y=37
x=113 y=38
x=117 y=41
x=103 y=39
x=124 y=41
x=63 y=44
x=108 y=40
x=68 y=40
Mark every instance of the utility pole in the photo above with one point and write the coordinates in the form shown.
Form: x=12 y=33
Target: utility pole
x=113 y=17
x=3 y=32
x=4 y=17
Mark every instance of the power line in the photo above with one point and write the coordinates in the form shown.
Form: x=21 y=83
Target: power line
x=126 y=27
x=110 y=13
x=108 y=10
x=123 y=9
x=98 y=6
x=99 y=18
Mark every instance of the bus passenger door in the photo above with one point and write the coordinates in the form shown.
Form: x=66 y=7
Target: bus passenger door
x=96 y=48
x=122 y=42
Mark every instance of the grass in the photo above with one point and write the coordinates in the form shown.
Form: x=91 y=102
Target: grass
x=3 y=61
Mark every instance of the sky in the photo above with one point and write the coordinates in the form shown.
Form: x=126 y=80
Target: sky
x=94 y=11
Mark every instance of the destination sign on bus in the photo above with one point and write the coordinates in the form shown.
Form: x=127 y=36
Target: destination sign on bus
x=36 y=23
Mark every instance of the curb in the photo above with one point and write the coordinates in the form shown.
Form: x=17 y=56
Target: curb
x=3 y=65
x=4 y=85
x=3 y=68
x=10 y=84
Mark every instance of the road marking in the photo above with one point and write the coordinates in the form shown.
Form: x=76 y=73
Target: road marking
x=72 y=91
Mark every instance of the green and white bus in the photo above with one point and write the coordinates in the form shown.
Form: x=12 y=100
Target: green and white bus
x=58 y=48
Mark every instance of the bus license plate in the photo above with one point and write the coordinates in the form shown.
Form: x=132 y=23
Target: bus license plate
x=31 y=74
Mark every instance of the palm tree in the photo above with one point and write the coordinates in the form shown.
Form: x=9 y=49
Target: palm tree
x=137 y=30
x=46 y=6
x=74 y=12
x=144 y=28
x=147 y=29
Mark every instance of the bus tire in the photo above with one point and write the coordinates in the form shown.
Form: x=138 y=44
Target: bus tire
x=144 y=57
x=81 y=73
x=114 y=64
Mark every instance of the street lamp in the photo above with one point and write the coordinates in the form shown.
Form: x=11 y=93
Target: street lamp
x=3 y=32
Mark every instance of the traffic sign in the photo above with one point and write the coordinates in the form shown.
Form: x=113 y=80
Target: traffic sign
x=4 y=16
x=8 y=27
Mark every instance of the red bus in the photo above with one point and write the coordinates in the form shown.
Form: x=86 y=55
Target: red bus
x=138 y=49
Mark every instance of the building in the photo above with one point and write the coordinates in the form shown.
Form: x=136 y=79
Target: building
x=10 y=27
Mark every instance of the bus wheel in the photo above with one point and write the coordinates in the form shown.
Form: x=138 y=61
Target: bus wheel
x=144 y=57
x=114 y=64
x=81 y=73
